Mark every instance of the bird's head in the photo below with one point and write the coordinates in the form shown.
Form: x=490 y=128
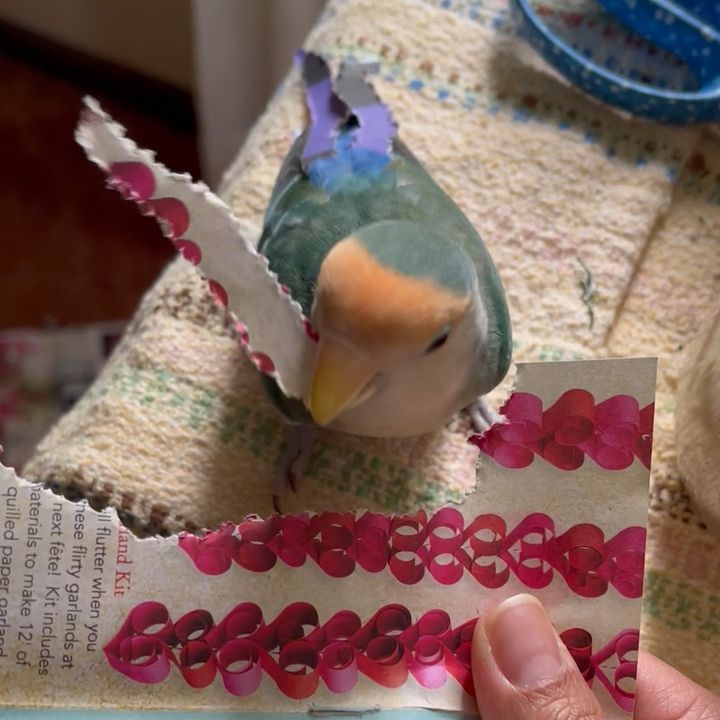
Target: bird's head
x=396 y=311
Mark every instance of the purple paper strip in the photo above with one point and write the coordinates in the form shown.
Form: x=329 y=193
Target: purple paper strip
x=327 y=111
x=377 y=128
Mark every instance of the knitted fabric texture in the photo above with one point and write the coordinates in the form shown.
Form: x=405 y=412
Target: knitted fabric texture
x=602 y=230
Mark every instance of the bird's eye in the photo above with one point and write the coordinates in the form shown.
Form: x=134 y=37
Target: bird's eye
x=439 y=341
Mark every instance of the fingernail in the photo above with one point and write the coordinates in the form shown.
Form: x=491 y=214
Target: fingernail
x=523 y=641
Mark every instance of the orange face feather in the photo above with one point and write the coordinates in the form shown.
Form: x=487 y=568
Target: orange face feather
x=373 y=306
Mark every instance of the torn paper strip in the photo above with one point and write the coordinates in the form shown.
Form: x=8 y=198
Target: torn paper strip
x=278 y=339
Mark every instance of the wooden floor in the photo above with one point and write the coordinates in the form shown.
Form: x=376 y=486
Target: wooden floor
x=72 y=251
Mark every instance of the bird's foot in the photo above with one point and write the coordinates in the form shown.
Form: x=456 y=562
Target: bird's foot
x=299 y=439
x=483 y=415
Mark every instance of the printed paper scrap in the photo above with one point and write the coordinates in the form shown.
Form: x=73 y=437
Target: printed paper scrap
x=341 y=609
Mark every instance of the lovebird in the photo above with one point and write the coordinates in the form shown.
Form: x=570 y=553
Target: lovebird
x=410 y=312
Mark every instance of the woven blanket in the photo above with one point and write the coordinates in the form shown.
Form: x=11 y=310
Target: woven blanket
x=603 y=228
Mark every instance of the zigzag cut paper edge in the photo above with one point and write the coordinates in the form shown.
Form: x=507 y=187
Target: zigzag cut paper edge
x=276 y=336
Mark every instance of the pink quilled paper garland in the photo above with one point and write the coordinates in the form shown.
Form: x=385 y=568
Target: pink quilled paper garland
x=612 y=433
x=297 y=652
x=441 y=544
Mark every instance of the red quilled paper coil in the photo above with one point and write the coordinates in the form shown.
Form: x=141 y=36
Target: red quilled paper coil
x=194 y=625
x=643 y=443
x=384 y=661
x=341 y=626
x=297 y=670
x=140 y=648
x=532 y=537
x=483 y=559
x=524 y=415
x=151 y=619
x=371 y=547
x=580 y=554
x=615 y=653
x=239 y=665
x=297 y=652
x=579 y=643
x=339 y=669
x=243 y=620
x=197 y=663
x=427 y=662
x=408 y=532
x=433 y=622
x=251 y=549
x=290 y=541
x=189 y=250
x=215 y=556
x=142 y=658
x=626 y=559
x=445 y=536
x=571 y=418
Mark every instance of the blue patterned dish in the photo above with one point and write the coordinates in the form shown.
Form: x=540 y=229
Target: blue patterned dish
x=690 y=31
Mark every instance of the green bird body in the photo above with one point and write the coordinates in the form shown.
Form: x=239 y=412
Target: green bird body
x=396 y=214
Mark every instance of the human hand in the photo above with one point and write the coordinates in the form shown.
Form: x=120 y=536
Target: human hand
x=522 y=671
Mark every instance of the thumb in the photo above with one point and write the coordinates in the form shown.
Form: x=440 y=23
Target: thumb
x=522 y=670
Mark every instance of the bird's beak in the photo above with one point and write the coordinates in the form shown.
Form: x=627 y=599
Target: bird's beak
x=339 y=378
